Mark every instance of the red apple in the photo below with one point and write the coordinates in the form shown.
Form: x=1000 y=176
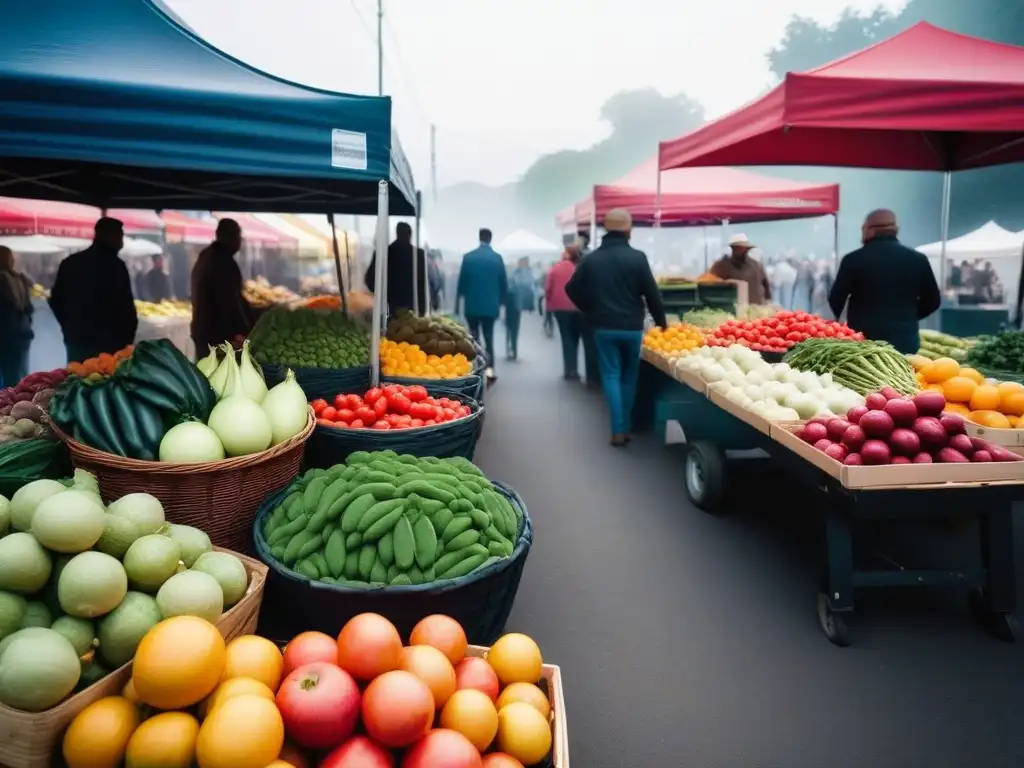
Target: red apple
x=319 y=704
x=359 y=752
x=473 y=672
x=308 y=647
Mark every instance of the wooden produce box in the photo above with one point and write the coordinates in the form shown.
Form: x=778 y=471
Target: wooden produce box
x=691 y=380
x=1011 y=438
x=902 y=475
x=32 y=739
x=551 y=675
x=745 y=415
x=659 y=361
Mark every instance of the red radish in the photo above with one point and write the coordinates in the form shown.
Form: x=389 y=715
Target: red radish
x=900 y=460
x=854 y=414
x=950 y=456
x=853 y=438
x=875 y=401
x=819 y=420
x=812 y=432
x=853 y=460
x=837 y=428
x=904 y=442
x=876 y=424
x=822 y=444
x=929 y=403
x=902 y=411
x=981 y=456
x=952 y=423
x=889 y=393
x=931 y=432
x=923 y=458
x=875 y=452
x=961 y=443
x=836 y=451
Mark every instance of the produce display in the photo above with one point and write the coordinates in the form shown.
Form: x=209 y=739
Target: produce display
x=260 y=293
x=706 y=317
x=361 y=700
x=776 y=392
x=81 y=583
x=437 y=336
x=385 y=519
x=402 y=359
x=310 y=338
x=95 y=368
x=358 y=302
x=389 y=407
x=165 y=308
x=864 y=366
x=39 y=292
x=678 y=339
x=24 y=406
x=986 y=402
x=935 y=345
x=1004 y=352
x=779 y=332
x=892 y=429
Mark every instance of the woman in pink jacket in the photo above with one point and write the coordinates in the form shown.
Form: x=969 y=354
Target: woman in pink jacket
x=566 y=315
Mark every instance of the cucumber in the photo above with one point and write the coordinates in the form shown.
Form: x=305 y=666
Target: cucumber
x=367 y=556
x=380 y=518
x=151 y=426
x=354 y=512
x=353 y=541
x=335 y=554
x=352 y=565
x=425 y=540
x=307 y=569
x=464 y=539
x=318 y=559
x=84 y=417
x=386 y=549
x=464 y=567
x=456 y=527
x=311 y=496
x=405 y=544
x=401 y=580
x=332 y=493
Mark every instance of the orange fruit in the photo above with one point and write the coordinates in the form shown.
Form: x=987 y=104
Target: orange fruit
x=958 y=389
x=524 y=733
x=1014 y=421
x=243 y=732
x=958 y=408
x=936 y=388
x=515 y=658
x=99 y=734
x=443 y=633
x=235 y=686
x=972 y=374
x=985 y=397
x=1012 y=403
x=167 y=740
x=473 y=714
x=255 y=657
x=940 y=370
x=433 y=668
x=527 y=693
x=178 y=663
x=918 y=362
x=990 y=419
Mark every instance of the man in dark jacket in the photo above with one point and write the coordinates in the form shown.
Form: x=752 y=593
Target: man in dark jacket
x=614 y=287
x=219 y=310
x=158 y=284
x=92 y=296
x=886 y=287
x=399 y=279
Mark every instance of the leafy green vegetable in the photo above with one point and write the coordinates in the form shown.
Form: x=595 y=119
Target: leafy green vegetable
x=310 y=338
x=1004 y=352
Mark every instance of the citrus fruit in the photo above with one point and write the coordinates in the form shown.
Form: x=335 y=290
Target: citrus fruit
x=990 y=419
x=179 y=662
x=515 y=658
x=99 y=734
x=471 y=713
x=242 y=732
x=1012 y=402
x=167 y=740
x=524 y=733
x=236 y=686
x=958 y=389
x=128 y=692
x=943 y=369
x=443 y=633
x=972 y=374
x=957 y=408
x=255 y=657
x=432 y=667
x=985 y=397
x=528 y=693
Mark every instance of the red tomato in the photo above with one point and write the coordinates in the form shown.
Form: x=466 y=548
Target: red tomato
x=380 y=406
x=368 y=646
x=416 y=393
x=353 y=402
x=441 y=632
x=330 y=413
x=399 y=403
x=340 y=401
x=308 y=647
x=381 y=425
x=398 y=709
x=473 y=672
x=319 y=704
x=463 y=411
x=429 y=423
x=421 y=411
x=402 y=419
x=326 y=423
x=449 y=413
x=500 y=760
x=356 y=424
x=366 y=415
x=372 y=395
x=359 y=752
x=390 y=389
x=344 y=414
x=318 y=405
x=443 y=748
x=416 y=423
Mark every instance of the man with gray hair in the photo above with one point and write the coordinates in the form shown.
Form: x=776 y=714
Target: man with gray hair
x=886 y=287
x=614 y=288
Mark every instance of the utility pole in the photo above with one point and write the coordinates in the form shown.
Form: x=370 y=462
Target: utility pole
x=380 y=47
x=433 y=161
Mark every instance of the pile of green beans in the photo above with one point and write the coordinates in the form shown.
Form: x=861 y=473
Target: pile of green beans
x=863 y=366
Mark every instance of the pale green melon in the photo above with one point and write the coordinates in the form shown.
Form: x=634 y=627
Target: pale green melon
x=229 y=573
x=193 y=542
x=119 y=533
x=27 y=498
x=36 y=615
x=5 y=515
x=143 y=509
x=150 y=561
x=12 y=612
x=24 y=564
x=91 y=584
x=191 y=593
x=69 y=522
x=122 y=629
x=79 y=632
x=38 y=668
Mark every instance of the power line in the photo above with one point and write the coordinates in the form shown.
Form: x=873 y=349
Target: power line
x=404 y=71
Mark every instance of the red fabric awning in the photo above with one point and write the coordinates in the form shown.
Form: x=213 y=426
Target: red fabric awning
x=181 y=228
x=41 y=217
x=138 y=222
x=926 y=99
x=693 y=196
x=566 y=217
x=260 y=233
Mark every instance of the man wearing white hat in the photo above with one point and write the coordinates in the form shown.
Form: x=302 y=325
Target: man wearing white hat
x=739 y=265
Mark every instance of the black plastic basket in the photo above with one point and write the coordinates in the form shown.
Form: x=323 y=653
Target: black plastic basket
x=480 y=602
x=322 y=382
x=328 y=446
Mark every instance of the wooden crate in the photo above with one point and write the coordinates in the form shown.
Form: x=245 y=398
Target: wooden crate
x=552 y=677
x=30 y=739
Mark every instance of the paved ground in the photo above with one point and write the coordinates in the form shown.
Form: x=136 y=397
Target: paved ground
x=687 y=640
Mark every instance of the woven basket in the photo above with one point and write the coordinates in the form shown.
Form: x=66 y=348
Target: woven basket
x=470 y=386
x=219 y=497
x=329 y=446
x=480 y=602
x=32 y=739
x=322 y=382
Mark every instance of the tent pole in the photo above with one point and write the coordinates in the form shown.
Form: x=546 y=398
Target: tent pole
x=835 y=236
x=947 y=193
x=657 y=216
x=416 y=263
x=379 y=295
x=704 y=229
x=725 y=236
x=337 y=263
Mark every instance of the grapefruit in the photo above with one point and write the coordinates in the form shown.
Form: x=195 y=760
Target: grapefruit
x=243 y=732
x=167 y=740
x=515 y=658
x=178 y=663
x=255 y=657
x=99 y=734
x=471 y=713
x=523 y=733
x=527 y=693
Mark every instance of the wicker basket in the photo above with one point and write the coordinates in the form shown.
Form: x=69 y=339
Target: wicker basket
x=322 y=382
x=470 y=386
x=481 y=601
x=32 y=739
x=219 y=497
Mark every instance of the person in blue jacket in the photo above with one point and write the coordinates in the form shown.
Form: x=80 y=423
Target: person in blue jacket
x=520 y=298
x=482 y=288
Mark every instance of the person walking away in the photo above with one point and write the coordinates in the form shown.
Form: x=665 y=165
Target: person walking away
x=615 y=288
x=567 y=316
x=519 y=299
x=739 y=265
x=220 y=312
x=92 y=296
x=158 y=284
x=15 y=320
x=436 y=280
x=785 y=279
x=590 y=368
x=399 y=275
x=885 y=287
x=482 y=288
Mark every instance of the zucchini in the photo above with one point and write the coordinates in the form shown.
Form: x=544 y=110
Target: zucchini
x=127 y=419
x=106 y=419
x=86 y=427
x=147 y=381
x=200 y=393
x=151 y=427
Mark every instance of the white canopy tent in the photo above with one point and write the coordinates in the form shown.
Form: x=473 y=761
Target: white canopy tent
x=989 y=241
x=523 y=242
x=32 y=244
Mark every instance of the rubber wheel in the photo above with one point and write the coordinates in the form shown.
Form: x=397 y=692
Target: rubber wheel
x=1001 y=625
x=705 y=476
x=832 y=623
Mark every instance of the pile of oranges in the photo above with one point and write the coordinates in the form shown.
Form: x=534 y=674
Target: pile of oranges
x=675 y=341
x=986 y=402
x=409 y=361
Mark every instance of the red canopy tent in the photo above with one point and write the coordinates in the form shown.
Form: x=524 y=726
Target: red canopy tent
x=259 y=233
x=181 y=228
x=37 y=217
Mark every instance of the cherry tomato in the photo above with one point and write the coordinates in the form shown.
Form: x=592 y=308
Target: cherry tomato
x=353 y=402
x=416 y=393
x=399 y=403
x=421 y=411
x=325 y=423
x=429 y=423
x=373 y=395
x=330 y=413
x=462 y=411
x=392 y=419
x=345 y=415
x=449 y=413
x=403 y=419
x=380 y=405
x=340 y=401
x=356 y=424
x=381 y=425
x=390 y=389
x=318 y=405
x=416 y=423
x=366 y=415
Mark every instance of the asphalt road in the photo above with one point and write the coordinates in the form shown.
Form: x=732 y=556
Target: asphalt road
x=687 y=640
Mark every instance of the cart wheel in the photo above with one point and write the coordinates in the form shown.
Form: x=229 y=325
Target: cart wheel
x=1001 y=624
x=705 y=476
x=832 y=623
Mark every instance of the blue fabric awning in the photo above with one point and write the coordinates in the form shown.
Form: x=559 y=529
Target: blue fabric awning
x=116 y=104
